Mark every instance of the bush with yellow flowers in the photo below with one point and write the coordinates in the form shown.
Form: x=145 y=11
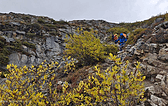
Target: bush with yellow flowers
x=114 y=86
x=33 y=86
x=36 y=86
x=85 y=47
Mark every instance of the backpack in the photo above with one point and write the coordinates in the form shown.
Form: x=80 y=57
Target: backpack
x=124 y=35
x=115 y=37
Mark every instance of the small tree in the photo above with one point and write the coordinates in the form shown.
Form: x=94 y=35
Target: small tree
x=85 y=47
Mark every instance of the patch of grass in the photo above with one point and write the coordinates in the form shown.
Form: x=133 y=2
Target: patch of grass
x=1 y=44
x=51 y=25
x=41 y=21
x=31 y=34
x=59 y=22
x=135 y=35
x=17 y=44
x=53 y=33
x=118 y=30
x=166 y=17
x=4 y=59
x=78 y=75
x=110 y=49
x=26 y=18
x=148 y=22
x=36 y=25
x=109 y=38
x=30 y=45
x=131 y=59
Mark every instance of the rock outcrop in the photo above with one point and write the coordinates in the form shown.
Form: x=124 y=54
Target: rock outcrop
x=152 y=51
x=44 y=36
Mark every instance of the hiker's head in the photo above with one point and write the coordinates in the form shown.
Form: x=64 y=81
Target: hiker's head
x=121 y=34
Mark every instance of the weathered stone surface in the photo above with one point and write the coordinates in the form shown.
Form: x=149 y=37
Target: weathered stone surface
x=15 y=58
x=2 y=81
x=38 y=48
x=160 y=77
x=15 y=23
x=163 y=54
x=20 y=32
x=23 y=59
x=151 y=89
x=24 y=48
x=8 y=39
x=158 y=101
x=59 y=82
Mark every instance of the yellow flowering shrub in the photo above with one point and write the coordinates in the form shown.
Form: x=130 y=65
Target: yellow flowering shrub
x=31 y=86
x=85 y=47
x=36 y=86
x=115 y=85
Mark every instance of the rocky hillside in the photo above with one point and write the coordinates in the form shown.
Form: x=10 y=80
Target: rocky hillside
x=151 y=49
x=28 y=39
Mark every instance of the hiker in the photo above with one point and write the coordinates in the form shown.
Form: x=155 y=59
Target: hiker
x=121 y=40
x=114 y=37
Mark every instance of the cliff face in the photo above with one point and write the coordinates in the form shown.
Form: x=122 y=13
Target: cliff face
x=32 y=39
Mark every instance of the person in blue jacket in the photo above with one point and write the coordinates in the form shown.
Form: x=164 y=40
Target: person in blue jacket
x=121 y=41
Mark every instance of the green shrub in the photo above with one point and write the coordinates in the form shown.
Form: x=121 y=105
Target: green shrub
x=111 y=49
x=135 y=35
x=54 y=33
x=138 y=31
x=109 y=38
x=1 y=44
x=59 y=22
x=25 y=17
x=36 y=25
x=41 y=21
x=85 y=47
x=51 y=25
x=166 y=17
x=118 y=30
x=4 y=59
x=2 y=39
x=5 y=51
x=17 y=44
x=31 y=45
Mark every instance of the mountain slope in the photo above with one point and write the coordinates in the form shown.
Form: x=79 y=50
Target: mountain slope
x=28 y=39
